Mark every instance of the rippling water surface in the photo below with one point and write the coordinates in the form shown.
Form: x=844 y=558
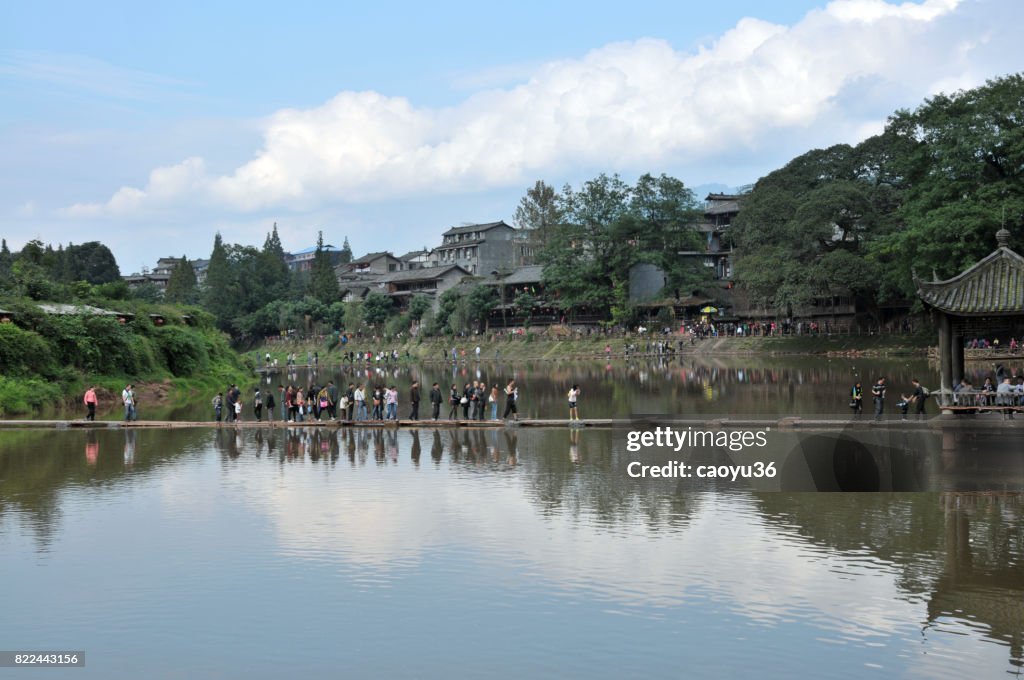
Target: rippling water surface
x=207 y=553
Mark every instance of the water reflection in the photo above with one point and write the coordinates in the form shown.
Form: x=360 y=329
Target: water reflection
x=522 y=521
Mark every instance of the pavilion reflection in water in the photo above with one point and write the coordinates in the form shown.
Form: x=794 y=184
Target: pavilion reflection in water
x=983 y=575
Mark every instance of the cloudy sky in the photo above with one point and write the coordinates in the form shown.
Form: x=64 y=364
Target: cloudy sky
x=152 y=128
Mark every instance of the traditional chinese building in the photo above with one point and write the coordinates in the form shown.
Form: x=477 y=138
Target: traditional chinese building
x=985 y=301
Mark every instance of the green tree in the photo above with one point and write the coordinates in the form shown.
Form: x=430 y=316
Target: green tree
x=181 y=286
x=323 y=283
x=818 y=212
x=539 y=211
x=346 y=252
x=219 y=286
x=272 y=270
x=446 y=307
x=479 y=303
x=99 y=265
x=418 y=306
x=377 y=307
x=6 y=262
x=353 y=315
x=959 y=162
x=523 y=305
x=586 y=253
x=147 y=292
x=666 y=214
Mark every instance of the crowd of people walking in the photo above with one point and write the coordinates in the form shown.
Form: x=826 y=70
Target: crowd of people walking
x=364 y=402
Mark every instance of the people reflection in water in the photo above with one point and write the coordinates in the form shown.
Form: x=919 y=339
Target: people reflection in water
x=415 y=448
x=512 y=441
x=392 y=438
x=436 y=448
x=92 y=449
x=129 y=448
x=574 y=445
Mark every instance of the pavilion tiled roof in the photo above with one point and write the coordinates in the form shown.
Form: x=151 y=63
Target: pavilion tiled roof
x=992 y=287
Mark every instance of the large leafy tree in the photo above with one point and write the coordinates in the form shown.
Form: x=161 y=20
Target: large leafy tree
x=665 y=213
x=607 y=227
x=584 y=256
x=376 y=309
x=960 y=163
x=479 y=303
x=803 y=230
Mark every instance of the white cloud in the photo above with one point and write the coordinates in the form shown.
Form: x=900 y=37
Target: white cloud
x=623 y=107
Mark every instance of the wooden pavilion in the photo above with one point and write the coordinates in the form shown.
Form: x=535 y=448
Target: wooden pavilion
x=985 y=301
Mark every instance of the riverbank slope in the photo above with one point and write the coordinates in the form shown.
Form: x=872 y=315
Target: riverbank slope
x=48 y=360
x=541 y=347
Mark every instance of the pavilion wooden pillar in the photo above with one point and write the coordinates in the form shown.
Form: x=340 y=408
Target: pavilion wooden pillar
x=946 y=358
x=958 y=355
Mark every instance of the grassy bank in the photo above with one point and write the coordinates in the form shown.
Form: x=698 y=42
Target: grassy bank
x=545 y=347
x=48 y=361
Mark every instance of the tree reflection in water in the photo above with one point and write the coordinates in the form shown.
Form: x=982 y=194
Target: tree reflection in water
x=959 y=556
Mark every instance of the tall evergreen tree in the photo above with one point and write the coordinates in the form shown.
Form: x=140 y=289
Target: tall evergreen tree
x=6 y=262
x=181 y=286
x=346 y=252
x=218 y=289
x=272 y=270
x=323 y=283
x=539 y=211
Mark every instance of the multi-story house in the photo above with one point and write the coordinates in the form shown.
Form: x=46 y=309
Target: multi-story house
x=479 y=248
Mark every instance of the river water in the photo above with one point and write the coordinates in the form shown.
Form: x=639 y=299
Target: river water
x=510 y=552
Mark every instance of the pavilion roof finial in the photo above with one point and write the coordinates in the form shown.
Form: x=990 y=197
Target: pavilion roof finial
x=1003 y=238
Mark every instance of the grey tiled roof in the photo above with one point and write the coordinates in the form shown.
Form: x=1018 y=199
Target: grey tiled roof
x=994 y=286
x=422 y=274
x=476 y=227
x=528 y=274
x=370 y=257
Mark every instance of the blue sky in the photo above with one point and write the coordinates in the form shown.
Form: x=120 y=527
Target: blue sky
x=149 y=128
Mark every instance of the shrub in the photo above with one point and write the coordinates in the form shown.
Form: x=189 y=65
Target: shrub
x=184 y=353
x=23 y=352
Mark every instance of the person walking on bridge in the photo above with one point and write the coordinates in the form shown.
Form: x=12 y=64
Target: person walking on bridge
x=511 y=397
x=435 y=401
x=90 y=403
x=857 y=399
x=878 y=395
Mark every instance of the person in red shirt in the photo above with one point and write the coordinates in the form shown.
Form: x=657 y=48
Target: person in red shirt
x=90 y=403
